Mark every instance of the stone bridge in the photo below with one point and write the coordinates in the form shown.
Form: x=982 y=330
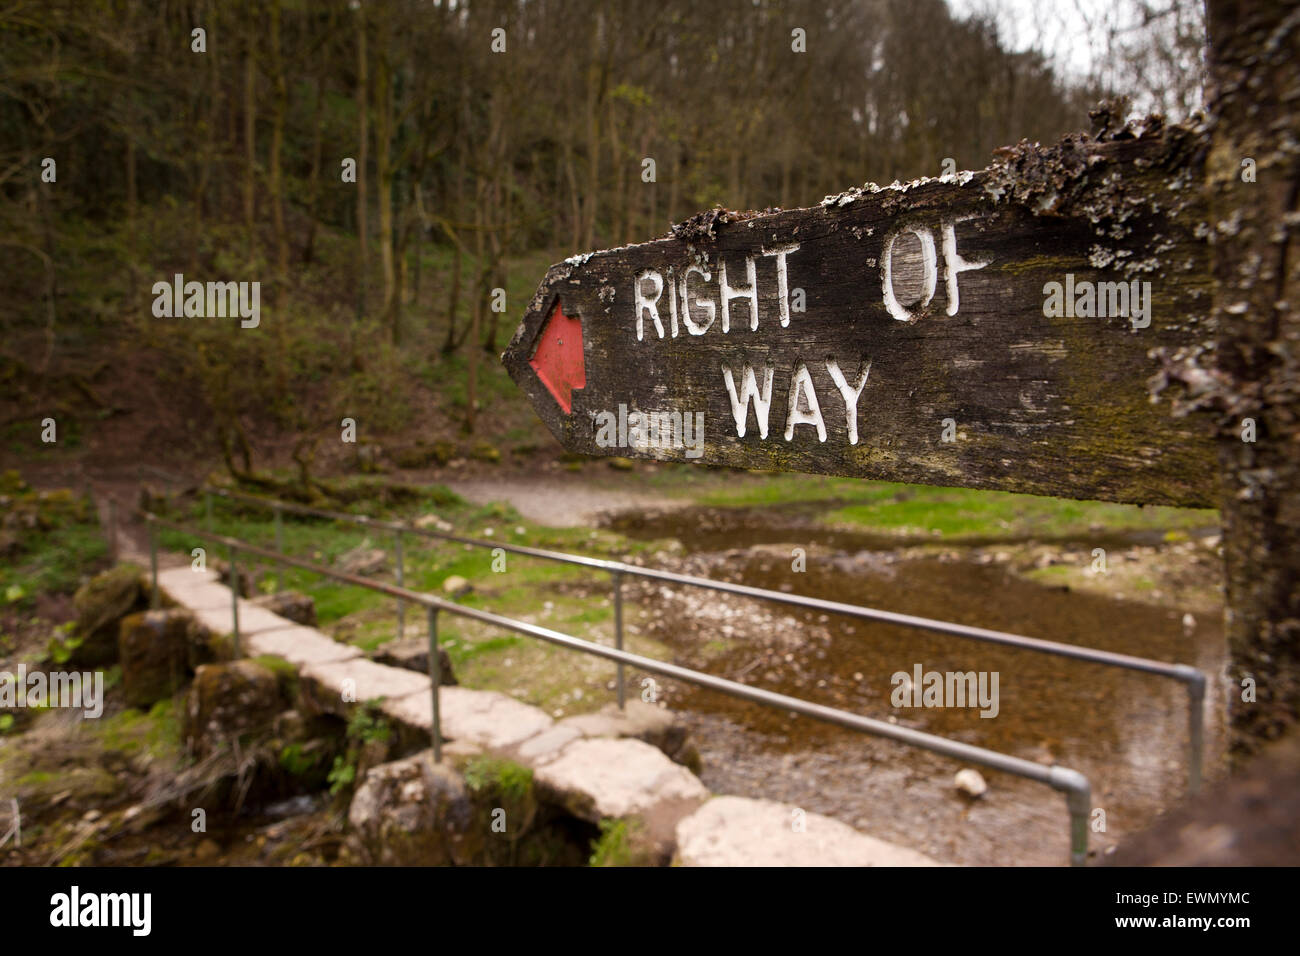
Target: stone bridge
x=598 y=767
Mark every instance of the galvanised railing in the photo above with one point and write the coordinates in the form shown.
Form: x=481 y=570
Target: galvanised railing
x=1075 y=786
x=1192 y=678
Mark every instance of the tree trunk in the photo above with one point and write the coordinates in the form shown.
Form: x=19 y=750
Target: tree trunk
x=250 y=143
x=384 y=174
x=1254 y=68
x=363 y=136
x=277 y=149
x=313 y=182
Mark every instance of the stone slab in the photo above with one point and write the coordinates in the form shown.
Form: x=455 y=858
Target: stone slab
x=370 y=680
x=737 y=831
x=598 y=778
x=482 y=718
x=301 y=645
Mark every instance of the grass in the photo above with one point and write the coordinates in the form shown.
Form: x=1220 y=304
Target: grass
x=955 y=514
x=57 y=540
x=156 y=732
x=619 y=844
x=510 y=779
x=949 y=514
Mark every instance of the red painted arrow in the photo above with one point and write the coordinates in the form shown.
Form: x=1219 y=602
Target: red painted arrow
x=558 y=360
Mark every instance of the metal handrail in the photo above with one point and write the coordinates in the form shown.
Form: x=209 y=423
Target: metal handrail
x=1073 y=784
x=1191 y=677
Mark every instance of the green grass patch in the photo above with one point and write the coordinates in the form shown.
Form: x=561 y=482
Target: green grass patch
x=156 y=731
x=56 y=540
x=619 y=844
x=954 y=514
x=511 y=779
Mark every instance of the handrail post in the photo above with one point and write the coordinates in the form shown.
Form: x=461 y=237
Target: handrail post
x=1078 y=800
x=279 y=546
x=618 y=635
x=234 y=597
x=153 y=562
x=435 y=675
x=401 y=605
x=1195 y=680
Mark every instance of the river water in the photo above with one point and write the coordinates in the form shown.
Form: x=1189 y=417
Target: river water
x=1127 y=732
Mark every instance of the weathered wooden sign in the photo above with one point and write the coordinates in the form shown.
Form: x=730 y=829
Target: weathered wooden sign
x=999 y=329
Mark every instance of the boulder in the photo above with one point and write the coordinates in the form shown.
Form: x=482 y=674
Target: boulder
x=970 y=782
x=229 y=700
x=413 y=812
x=600 y=778
x=433 y=521
x=101 y=603
x=457 y=586
x=292 y=605
x=222 y=567
x=362 y=560
x=154 y=649
x=413 y=655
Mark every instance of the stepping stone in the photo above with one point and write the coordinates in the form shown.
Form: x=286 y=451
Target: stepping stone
x=324 y=683
x=546 y=746
x=183 y=575
x=301 y=646
x=600 y=778
x=251 y=619
x=737 y=831
x=480 y=718
x=655 y=725
x=194 y=589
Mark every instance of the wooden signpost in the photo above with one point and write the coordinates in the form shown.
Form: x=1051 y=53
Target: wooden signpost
x=1001 y=329
x=1113 y=317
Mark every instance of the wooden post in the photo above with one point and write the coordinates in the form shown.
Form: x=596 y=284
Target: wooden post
x=1253 y=180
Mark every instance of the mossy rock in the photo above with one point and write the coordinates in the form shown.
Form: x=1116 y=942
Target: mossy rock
x=413 y=812
x=229 y=701
x=101 y=603
x=154 y=649
x=293 y=605
x=505 y=805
